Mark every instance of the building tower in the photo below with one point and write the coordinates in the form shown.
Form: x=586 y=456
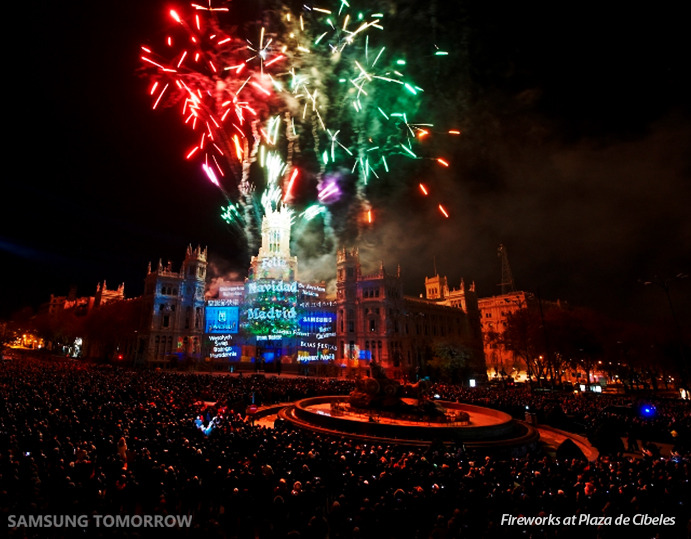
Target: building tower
x=506 y=284
x=376 y=322
x=436 y=288
x=192 y=289
x=172 y=322
x=194 y=265
x=273 y=260
x=104 y=295
x=347 y=276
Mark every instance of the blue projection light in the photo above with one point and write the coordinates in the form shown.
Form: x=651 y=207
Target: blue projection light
x=648 y=410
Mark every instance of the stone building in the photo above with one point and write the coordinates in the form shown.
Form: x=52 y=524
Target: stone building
x=377 y=322
x=83 y=305
x=104 y=295
x=494 y=314
x=172 y=317
x=271 y=319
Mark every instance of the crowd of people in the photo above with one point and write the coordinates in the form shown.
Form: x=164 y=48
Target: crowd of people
x=80 y=439
x=648 y=420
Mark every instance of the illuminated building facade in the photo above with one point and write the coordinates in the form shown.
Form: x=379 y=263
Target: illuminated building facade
x=376 y=322
x=271 y=317
x=494 y=313
x=172 y=323
x=104 y=295
x=82 y=306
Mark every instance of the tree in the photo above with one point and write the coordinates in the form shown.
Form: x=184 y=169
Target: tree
x=493 y=342
x=111 y=327
x=59 y=330
x=522 y=337
x=577 y=337
x=549 y=341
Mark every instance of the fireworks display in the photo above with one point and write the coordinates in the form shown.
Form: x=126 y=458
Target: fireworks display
x=296 y=110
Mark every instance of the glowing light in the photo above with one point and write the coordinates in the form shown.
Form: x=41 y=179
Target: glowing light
x=260 y=88
x=311 y=212
x=408 y=151
x=648 y=410
x=443 y=211
x=330 y=190
x=247 y=101
x=290 y=185
x=212 y=176
x=274 y=60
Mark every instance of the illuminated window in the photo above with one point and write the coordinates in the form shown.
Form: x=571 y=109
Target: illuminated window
x=274 y=241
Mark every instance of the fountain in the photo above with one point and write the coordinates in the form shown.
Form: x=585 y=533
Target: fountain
x=383 y=410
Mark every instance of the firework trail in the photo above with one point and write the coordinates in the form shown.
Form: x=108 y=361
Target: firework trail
x=264 y=96
x=226 y=86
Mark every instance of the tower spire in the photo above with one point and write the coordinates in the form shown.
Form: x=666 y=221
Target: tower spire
x=506 y=276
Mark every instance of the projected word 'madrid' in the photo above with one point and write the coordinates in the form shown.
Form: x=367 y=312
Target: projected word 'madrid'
x=272 y=313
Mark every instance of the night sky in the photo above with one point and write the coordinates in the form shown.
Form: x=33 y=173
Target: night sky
x=575 y=154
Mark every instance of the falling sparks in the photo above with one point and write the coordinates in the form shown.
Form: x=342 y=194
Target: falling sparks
x=238 y=93
x=211 y=174
x=290 y=185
